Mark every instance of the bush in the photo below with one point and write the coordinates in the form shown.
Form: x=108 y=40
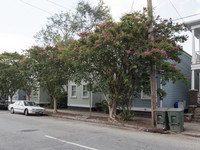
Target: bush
x=62 y=100
x=105 y=106
x=98 y=106
x=125 y=115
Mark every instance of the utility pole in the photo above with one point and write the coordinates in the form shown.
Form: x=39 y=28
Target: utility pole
x=153 y=66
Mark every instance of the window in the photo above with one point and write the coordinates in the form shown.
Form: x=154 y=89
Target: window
x=145 y=96
x=85 y=91
x=73 y=91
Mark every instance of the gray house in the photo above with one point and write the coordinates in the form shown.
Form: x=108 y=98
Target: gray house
x=19 y=95
x=79 y=96
x=178 y=92
x=40 y=96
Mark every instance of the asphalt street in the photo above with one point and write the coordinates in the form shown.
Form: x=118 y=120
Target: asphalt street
x=19 y=132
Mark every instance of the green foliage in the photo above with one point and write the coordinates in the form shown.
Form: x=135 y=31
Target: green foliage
x=105 y=106
x=28 y=78
x=62 y=100
x=10 y=77
x=125 y=115
x=117 y=57
x=98 y=106
x=49 y=69
x=63 y=27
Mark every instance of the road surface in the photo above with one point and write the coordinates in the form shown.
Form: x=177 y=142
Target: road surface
x=19 y=132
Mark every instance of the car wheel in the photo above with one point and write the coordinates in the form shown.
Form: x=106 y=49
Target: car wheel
x=12 y=111
x=26 y=112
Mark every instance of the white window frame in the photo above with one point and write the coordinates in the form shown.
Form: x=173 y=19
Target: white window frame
x=145 y=96
x=85 y=91
x=73 y=96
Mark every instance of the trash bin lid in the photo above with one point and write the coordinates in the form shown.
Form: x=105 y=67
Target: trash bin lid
x=161 y=109
x=175 y=109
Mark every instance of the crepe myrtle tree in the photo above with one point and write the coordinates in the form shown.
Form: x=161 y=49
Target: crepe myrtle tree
x=49 y=70
x=10 y=78
x=117 y=56
x=27 y=73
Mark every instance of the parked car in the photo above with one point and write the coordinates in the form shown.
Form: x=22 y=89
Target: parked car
x=3 y=104
x=26 y=107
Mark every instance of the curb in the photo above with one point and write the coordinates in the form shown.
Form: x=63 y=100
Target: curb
x=84 y=118
x=122 y=125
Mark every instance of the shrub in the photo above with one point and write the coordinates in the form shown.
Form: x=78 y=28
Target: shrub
x=105 y=106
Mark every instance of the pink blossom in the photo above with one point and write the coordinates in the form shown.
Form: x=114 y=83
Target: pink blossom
x=148 y=53
x=128 y=51
x=105 y=33
x=188 y=78
x=170 y=19
x=42 y=48
x=58 y=57
x=98 y=45
x=180 y=60
x=144 y=8
x=20 y=61
x=114 y=41
x=50 y=57
x=59 y=49
x=45 y=52
x=174 y=65
x=97 y=41
x=184 y=74
x=135 y=53
x=79 y=56
x=147 y=49
x=177 y=47
x=108 y=38
x=137 y=18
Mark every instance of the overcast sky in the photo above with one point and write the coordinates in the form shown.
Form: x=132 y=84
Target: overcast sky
x=20 y=21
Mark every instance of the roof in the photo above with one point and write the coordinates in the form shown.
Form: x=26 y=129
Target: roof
x=194 y=23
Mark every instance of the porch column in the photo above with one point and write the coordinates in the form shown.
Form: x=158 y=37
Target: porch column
x=193 y=48
x=192 y=80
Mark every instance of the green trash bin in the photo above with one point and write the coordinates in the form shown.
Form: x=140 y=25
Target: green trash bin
x=161 y=118
x=176 y=119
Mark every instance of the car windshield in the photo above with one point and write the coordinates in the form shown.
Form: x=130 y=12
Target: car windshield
x=30 y=103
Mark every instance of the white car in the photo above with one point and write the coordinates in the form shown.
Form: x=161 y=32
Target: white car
x=26 y=107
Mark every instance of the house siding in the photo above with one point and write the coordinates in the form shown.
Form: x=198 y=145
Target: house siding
x=179 y=90
x=79 y=100
x=40 y=96
x=175 y=92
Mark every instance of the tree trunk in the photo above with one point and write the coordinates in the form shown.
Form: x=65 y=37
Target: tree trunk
x=55 y=105
x=29 y=96
x=11 y=99
x=112 y=111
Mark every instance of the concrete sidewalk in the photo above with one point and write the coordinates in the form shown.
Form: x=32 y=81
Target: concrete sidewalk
x=140 y=123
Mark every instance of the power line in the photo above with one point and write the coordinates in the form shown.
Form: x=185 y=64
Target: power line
x=36 y=7
x=176 y=10
x=56 y=4
x=187 y=16
x=132 y=5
